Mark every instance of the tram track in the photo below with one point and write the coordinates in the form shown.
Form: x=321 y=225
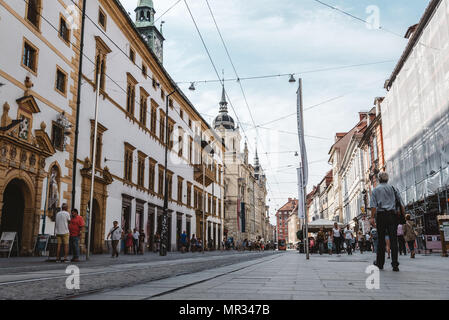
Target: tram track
x=177 y=288
x=118 y=277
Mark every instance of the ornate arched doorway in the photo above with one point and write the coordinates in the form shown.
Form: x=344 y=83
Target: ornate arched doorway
x=16 y=210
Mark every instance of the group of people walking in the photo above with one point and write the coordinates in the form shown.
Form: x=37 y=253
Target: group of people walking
x=389 y=230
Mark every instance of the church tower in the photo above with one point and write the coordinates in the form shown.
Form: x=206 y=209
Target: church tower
x=145 y=24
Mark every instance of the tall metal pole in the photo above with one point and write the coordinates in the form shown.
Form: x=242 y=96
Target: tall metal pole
x=94 y=160
x=203 y=232
x=78 y=103
x=164 y=227
x=306 y=223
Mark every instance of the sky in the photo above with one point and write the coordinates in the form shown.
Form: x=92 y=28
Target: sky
x=271 y=37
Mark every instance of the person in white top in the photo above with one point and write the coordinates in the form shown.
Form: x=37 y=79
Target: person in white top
x=62 y=232
x=348 y=238
x=116 y=234
x=337 y=237
x=136 y=235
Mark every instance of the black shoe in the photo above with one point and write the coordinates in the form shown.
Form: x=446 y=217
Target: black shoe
x=396 y=269
x=375 y=263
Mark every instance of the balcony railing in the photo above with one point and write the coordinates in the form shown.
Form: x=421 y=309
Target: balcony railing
x=199 y=170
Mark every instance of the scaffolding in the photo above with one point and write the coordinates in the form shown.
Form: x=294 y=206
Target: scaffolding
x=415 y=120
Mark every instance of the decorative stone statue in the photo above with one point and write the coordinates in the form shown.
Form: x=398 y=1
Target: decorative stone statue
x=6 y=120
x=53 y=191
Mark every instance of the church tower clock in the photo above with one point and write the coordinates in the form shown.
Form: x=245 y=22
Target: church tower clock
x=145 y=24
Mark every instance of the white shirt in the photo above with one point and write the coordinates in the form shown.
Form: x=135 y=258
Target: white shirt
x=117 y=234
x=348 y=234
x=136 y=235
x=62 y=222
x=336 y=232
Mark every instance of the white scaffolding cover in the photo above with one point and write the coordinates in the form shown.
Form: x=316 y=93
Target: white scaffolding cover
x=415 y=115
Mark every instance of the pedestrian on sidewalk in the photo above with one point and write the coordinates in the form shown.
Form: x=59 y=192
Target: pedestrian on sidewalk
x=129 y=241
x=410 y=235
x=320 y=238
x=385 y=204
x=157 y=242
x=401 y=240
x=183 y=240
x=116 y=234
x=141 y=242
x=374 y=238
x=330 y=242
x=361 y=242
x=348 y=239
x=135 y=241
x=62 y=232
x=193 y=243
x=338 y=237
x=76 y=226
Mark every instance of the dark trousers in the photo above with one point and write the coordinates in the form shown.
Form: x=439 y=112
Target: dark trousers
x=135 y=245
x=337 y=241
x=411 y=245
x=114 y=248
x=387 y=225
x=74 y=243
x=401 y=243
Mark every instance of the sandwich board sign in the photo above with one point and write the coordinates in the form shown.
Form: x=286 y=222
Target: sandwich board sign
x=7 y=241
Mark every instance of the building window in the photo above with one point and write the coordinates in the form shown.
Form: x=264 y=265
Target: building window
x=154 y=107
x=144 y=71
x=170 y=185
x=100 y=62
x=180 y=183
x=100 y=131
x=130 y=94
x=171 y=125
x=57 y=136
x=132 y=55
x=128 y=174
x=143 y=107
x=162 y=95
x=29 y=58
x=181 y=114
x=102 y=18
x=162 y=126
x=33 y=12
x=170 y=103
x=180 y=142
x=141 y=169
x=152 y=173
x=161 y=180
x=154 y=83
x=64 y=32
x=190 y=150
x=61 y=81
x=189 y=194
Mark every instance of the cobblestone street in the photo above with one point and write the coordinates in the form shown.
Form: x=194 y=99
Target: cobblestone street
x=288 y=276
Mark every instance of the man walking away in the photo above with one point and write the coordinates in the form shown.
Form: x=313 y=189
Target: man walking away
x=76 y=226
x=116 y=234
x=62 y=232
x=337 y=238
x=385 y=200
x=410 y=235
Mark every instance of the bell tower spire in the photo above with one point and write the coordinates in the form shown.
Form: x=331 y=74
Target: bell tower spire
x=145 y=24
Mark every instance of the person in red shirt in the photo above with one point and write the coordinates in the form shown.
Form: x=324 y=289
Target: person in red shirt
x=76 y=226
